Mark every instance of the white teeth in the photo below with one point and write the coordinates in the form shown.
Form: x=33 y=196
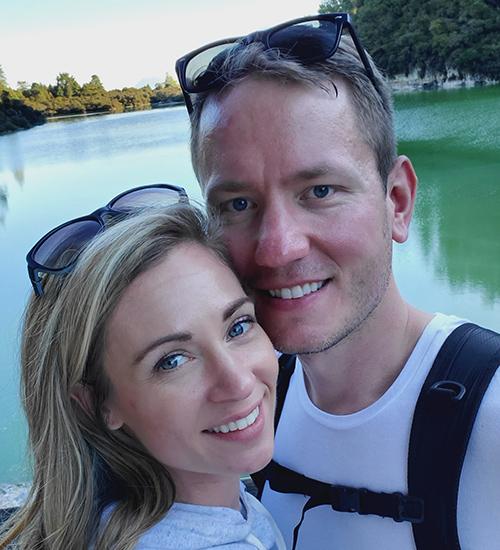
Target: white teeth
x=296 y=291
x=239 y=424
x=286 y=293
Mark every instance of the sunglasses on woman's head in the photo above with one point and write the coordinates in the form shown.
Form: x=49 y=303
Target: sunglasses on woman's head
x=57 y=251
x=307 y=40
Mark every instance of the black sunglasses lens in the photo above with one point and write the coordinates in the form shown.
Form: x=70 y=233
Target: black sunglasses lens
x=149 y=196
x=308 y=40
x=61 y=248
x=202 y=69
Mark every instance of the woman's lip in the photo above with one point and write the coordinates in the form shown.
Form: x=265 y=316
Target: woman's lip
x=247 y=434
x=235 y=417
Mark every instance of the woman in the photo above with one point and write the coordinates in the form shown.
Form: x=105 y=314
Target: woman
x=148 y=386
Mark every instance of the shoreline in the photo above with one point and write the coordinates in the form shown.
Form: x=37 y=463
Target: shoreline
x=411 y=83
x=13 y=494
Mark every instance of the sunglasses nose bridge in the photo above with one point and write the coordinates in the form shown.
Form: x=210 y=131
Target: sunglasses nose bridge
x=105 y=214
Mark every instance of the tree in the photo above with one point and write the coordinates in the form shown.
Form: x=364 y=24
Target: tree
x=432 y=37
x=66 y=86
x=334 y=6
x=3 y=80
x=94 y=86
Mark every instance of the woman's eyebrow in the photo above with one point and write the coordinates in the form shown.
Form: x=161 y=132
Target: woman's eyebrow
x=176 y=337
x=234 y=306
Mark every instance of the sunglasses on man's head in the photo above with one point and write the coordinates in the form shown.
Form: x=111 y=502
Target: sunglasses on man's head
x=307 y=40
x=57 y=251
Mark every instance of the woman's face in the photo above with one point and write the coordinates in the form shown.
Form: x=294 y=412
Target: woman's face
x=192 y=374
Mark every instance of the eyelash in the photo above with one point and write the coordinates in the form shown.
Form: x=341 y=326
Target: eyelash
x=227 y=207
x=310 y=192
x=159 y=365
x=247 y=319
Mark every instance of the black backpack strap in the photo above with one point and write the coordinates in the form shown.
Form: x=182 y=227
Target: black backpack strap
x=397 y=506
x=444 y=416
x=286 y=368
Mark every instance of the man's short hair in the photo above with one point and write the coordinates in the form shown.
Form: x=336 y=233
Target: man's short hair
x=372 y=107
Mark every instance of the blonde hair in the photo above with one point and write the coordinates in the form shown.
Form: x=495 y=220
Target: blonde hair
x=74 y=453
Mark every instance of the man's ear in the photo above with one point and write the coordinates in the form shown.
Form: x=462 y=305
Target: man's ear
x=84 y=396
x=401 y=194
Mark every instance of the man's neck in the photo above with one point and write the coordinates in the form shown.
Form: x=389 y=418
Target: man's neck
x=357 y=371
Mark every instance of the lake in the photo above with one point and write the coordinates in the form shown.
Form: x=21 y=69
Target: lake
x=65 y=169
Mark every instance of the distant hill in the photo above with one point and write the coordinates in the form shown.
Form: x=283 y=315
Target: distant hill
x=149 y=81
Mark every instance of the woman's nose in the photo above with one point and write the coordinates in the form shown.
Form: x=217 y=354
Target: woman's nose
x=231 y=377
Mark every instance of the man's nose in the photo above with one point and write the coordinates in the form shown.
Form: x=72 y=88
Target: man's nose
x=232 y=378
x=281 y=238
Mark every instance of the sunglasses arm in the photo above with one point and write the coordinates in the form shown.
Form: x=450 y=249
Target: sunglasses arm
x=36 y=281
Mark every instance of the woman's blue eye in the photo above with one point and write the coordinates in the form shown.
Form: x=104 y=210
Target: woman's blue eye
x=239 y=204
x=240 y=327
x=170 y=362
x=321 y=191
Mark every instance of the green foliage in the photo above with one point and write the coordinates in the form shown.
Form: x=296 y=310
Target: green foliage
x=437 y=37
x=67 y=97
x=15 y=114
x=132 y=99
x=66 y=86
x=333 y=6
x=166 y=92
x=3 y=79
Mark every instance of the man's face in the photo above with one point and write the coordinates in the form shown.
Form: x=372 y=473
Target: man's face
x=305 y=216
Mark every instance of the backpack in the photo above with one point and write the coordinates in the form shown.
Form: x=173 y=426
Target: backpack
x=442 y=423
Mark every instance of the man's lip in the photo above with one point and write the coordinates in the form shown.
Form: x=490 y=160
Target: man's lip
x=267 y=286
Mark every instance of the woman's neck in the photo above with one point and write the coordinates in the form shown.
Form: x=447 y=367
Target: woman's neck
x=209 y=490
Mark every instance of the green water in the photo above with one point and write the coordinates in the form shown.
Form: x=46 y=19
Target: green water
x=453 y=138
x=451 y=262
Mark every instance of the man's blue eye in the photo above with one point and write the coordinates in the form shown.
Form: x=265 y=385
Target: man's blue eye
x=321 y=191
x=239 y=204
x=239 y=328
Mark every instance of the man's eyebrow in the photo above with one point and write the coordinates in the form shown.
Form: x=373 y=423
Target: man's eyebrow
x=224 y=187
x=312 y=173
x=176 y=337
x=234 y=306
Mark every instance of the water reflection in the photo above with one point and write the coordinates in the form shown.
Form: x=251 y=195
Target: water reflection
x=86 y=138
x=453 y=139
x=3 y=203
x=458 y=215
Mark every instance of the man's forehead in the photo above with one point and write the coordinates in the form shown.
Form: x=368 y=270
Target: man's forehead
x=253 y=95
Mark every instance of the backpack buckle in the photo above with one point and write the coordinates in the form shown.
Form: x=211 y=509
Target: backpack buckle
x=409 y=509
x=346 y=499
x=449 y=388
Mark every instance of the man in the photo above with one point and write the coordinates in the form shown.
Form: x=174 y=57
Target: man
x=294 y=147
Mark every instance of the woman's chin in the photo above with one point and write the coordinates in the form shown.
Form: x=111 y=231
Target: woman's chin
x=261 y=460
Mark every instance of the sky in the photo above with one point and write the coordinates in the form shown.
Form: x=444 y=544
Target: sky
x=124 y=42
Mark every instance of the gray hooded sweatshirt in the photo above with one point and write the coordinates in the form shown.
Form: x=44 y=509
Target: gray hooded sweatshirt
x=194 y=527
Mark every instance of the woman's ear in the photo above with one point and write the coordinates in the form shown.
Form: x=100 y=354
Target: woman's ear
x=111 y=417
x=84 y=396
x=401 y=192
